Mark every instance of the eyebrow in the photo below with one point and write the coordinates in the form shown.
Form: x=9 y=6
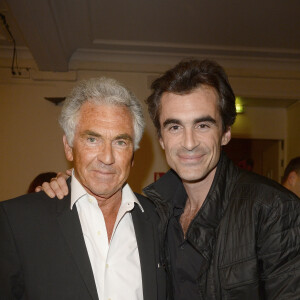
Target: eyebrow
x=205 y=119
x=171 y=121
x=92 y=133
x=123 y=136
x=198 y=120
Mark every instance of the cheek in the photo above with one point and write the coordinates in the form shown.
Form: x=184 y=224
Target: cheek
x=171 y=143
x=216 y=141
x=124 y=160
x=83 y=158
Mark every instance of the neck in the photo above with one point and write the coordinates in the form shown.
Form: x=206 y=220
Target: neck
x=286 y=185
x=110 y=204
x=198 y=190
x=110 y=208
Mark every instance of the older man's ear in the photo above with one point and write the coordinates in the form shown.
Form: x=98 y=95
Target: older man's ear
x=68 y=149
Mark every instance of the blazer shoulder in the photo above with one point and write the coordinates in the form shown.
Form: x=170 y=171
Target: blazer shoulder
x=145 y=201
x=147 y=204
x=33 y=204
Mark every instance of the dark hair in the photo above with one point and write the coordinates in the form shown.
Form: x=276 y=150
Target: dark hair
x=293 y=165
x=187 y=76
x=39 y=179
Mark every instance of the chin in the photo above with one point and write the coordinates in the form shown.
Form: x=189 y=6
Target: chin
x=191 y=171
x=103 y=194
x=190 y=177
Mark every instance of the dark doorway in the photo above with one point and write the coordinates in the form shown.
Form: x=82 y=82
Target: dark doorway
x=266 y=155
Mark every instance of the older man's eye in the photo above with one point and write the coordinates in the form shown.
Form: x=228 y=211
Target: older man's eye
x=121 y=143
x=91 y=139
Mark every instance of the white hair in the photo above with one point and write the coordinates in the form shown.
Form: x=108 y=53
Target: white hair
x=100 y=91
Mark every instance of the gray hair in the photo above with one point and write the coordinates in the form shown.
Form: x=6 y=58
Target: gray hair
x=100 y=91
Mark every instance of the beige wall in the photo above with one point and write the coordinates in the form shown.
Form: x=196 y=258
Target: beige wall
x=31 y=139
x=30 y=136
x=293 y=131
x=261 y=123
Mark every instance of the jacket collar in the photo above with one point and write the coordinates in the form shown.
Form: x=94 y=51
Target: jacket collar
x=201 y=232
x=144 y=237
x=70 y=227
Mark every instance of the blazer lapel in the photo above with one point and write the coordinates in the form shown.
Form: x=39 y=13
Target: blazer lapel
x=146 y=245
x=70 y=226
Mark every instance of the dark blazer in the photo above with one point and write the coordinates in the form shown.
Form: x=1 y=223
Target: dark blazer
x=43 y=253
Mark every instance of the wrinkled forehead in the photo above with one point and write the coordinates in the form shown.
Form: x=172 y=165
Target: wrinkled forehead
x=103 y=109
x=105 y=115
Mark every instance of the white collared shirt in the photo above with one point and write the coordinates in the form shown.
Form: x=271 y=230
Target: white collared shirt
x=116 y=265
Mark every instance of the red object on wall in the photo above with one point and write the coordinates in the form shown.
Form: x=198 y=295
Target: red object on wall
x=157 y=175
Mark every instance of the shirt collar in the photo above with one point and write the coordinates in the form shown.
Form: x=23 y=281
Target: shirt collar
x=180 y=197
x=78 y=192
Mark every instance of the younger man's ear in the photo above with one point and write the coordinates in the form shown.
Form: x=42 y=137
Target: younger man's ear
x=68 y=149
x=226 y=136
x=161 y=143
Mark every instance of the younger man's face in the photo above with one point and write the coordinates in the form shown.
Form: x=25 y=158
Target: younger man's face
x=191 y=133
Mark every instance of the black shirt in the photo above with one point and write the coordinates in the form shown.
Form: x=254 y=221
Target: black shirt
x=185 y=260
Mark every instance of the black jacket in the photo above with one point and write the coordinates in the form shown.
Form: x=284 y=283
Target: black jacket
x=248 y=231
x=43 y=253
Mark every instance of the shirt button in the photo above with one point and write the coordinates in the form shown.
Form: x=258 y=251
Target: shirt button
x=98 y=232
x=90 y=200
x=107 y=266
x=182 y=247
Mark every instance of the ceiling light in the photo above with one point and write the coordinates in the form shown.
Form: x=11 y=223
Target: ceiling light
x=239 y=108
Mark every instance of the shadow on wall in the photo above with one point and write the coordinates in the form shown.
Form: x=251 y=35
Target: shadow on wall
x=143 y=160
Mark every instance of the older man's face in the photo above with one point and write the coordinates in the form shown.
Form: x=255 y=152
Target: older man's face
x=102 y=149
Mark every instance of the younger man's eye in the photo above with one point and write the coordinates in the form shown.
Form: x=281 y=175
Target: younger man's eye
x=174 y=128
x=203 y=125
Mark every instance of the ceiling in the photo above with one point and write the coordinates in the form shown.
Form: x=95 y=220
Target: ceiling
x=57 y=31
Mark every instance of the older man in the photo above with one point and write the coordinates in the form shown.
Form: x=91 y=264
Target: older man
x=101 y=241
x=228 y=233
